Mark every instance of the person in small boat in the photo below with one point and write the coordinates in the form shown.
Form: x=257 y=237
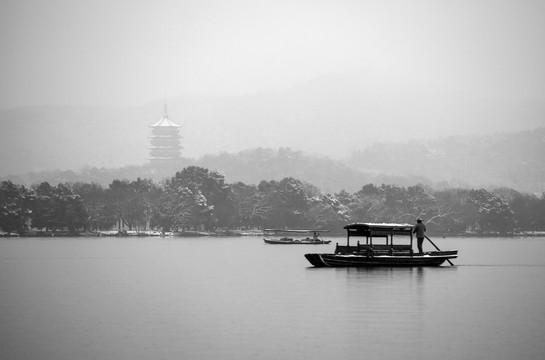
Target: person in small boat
x=420 y=231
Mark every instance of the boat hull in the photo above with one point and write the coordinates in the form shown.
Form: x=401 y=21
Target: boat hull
x=349 y=260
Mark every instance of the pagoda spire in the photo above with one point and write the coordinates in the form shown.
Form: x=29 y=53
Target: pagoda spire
x=166 y=108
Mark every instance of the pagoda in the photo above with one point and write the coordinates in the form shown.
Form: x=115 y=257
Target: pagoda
x=165 y=143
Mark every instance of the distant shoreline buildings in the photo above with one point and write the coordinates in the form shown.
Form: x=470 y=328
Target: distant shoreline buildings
x=165 y=143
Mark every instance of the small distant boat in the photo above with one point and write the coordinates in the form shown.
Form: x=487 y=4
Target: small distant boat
x=385 y=253
x=282 y=236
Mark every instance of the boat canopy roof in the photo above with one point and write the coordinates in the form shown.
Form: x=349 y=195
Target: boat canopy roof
x=378 y=229
x=296 y=231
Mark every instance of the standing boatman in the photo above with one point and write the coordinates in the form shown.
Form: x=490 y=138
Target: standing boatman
x=420 y=231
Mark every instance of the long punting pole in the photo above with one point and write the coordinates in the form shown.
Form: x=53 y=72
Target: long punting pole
x=438 y=249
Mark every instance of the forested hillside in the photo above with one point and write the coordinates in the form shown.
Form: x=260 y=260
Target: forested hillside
x=199 y=199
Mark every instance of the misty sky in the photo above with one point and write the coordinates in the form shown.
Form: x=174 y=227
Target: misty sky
x=129 y=52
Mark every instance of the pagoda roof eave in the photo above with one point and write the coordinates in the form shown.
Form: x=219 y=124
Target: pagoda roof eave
x=165 y=122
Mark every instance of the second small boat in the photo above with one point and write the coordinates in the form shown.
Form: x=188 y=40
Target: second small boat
x=286 y=237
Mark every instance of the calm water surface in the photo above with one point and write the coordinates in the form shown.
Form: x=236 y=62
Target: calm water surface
x=237 y=298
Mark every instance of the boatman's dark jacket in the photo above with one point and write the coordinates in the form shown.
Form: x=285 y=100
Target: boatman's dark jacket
x=419 y=230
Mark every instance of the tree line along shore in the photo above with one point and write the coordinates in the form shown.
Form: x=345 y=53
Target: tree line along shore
x=198 y=201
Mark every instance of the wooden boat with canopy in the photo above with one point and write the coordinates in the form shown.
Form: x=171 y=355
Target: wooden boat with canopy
x=379 y=248
x=286 y=237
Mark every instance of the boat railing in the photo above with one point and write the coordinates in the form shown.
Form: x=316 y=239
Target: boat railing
x=344 y=249
x=372 y=250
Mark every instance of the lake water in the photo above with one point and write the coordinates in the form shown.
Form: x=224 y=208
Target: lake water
x=237 y=298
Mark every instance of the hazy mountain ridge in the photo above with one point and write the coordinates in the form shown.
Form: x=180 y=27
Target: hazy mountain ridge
x=253 y=166
x=249 y=166
x=503 y=160
x=371 y=116
x=331 y=116
x=509 y=159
